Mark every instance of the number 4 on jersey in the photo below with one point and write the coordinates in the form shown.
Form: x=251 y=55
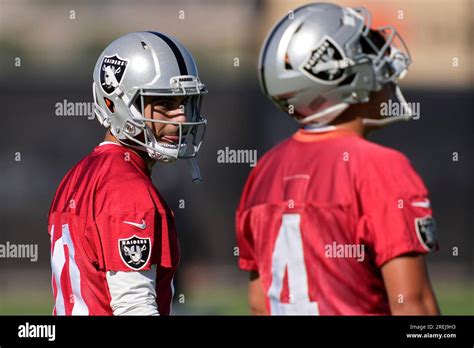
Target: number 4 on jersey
x=288 y=254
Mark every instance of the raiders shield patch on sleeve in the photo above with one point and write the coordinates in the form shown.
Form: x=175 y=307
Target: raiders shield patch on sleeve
x=135 y=251
x=426 y=232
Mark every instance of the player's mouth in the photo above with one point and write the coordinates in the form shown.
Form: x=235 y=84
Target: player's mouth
x=172 y=139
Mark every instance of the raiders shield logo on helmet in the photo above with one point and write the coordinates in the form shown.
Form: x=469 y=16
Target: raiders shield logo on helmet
x=323 y=63
x=111 y=72
x=426 y=231
x=135 y=251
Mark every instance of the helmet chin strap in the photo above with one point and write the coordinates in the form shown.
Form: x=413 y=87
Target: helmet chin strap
x=325 y=116
x=159 y=151
x=408 y=115
x=314 y=128
x=195 y=171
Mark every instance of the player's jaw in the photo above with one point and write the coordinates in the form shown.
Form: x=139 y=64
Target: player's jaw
x=168 y=133
x=165 y=109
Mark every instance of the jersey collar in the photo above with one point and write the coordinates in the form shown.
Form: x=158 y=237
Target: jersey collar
x=309 y=136
x=134 y=156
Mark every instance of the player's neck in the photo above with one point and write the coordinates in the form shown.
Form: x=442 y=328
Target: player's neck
x=149 y=161
x=355 y=126
x=111 y=138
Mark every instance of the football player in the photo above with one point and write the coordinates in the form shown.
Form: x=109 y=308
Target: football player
x=114 y=247
x=330 y=223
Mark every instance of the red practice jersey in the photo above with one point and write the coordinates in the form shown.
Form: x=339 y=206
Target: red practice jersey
x=107 y=216
x=321 y=213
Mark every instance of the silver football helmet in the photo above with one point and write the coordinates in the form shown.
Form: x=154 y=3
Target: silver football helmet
x=321 y=58
x=143 y=64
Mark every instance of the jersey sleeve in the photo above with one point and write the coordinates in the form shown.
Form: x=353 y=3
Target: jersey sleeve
x=245 y=240
x=397 y=216
x=129 y=227
x=133 y=293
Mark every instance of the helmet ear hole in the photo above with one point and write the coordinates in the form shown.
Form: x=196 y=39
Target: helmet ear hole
x=288 y=65
x=110 y=104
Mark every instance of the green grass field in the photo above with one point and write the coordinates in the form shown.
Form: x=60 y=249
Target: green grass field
x=455 y=298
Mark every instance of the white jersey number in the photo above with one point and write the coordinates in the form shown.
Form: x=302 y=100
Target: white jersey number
x=58 y=260
x=288 y=254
